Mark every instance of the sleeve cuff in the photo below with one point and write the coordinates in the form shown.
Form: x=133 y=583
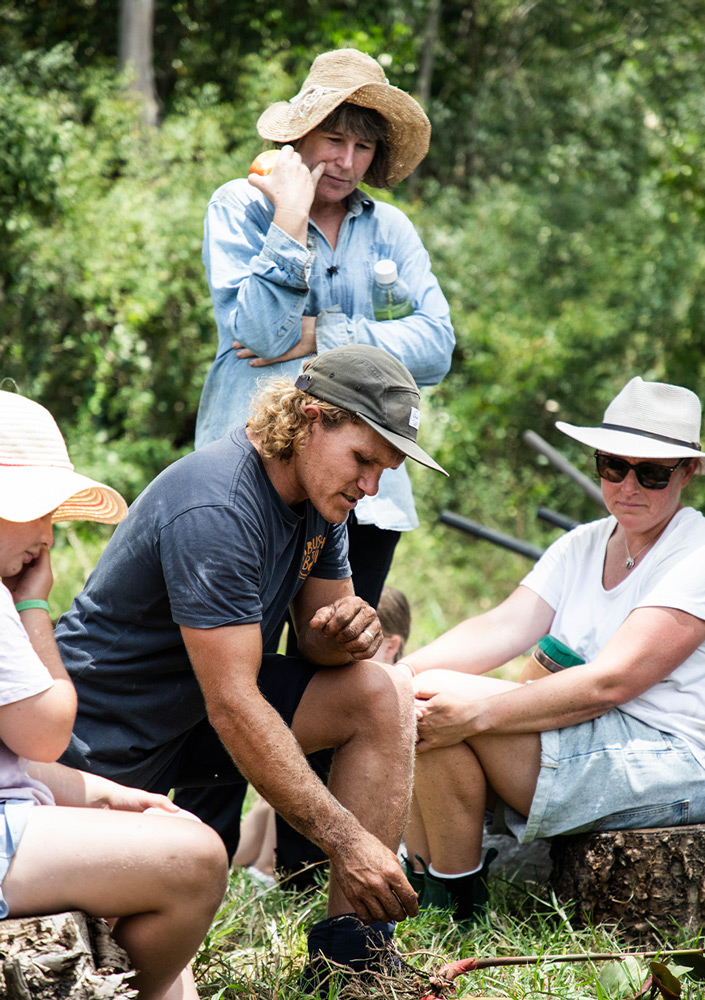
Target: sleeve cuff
x=288 y=256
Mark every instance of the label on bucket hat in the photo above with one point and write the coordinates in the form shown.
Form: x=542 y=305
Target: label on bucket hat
x=414 y=417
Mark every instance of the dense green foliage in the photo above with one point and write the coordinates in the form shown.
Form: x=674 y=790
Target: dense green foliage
x=562 y=203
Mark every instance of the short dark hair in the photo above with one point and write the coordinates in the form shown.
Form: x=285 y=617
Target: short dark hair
x=367 y=124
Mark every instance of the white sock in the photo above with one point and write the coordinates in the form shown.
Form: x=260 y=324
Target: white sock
x=435 y=871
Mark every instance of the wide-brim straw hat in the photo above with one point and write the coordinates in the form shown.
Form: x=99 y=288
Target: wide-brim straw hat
x=352 y=76
x=36 y=474
x=646 y=420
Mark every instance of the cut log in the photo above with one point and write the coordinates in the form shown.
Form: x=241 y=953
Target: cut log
x=644 y=880
x=65 y=955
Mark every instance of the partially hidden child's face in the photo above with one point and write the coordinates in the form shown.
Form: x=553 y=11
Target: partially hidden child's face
x=22 y=541
x=389 y=649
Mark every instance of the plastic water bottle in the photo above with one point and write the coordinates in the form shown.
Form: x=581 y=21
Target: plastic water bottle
x=391 y=298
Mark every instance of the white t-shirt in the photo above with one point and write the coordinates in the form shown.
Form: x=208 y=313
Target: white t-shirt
x=22 y=674
x=569 y=578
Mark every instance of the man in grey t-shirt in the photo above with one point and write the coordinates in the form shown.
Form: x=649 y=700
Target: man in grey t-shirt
x=165 y=644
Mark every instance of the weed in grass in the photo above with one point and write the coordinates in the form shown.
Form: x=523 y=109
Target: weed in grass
x=256 y=949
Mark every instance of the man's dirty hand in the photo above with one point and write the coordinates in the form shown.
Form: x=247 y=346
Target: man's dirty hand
x=354 y=625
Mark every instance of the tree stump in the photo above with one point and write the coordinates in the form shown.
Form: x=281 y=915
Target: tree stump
x=65 y=956
x=642 y=880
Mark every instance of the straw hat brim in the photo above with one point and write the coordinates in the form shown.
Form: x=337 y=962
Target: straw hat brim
x=29 y=492
x=631 y=444
x=409 y=128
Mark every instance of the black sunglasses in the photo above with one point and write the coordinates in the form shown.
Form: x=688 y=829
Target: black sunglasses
x=648 y=474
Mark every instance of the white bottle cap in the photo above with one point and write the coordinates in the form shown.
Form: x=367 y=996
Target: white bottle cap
x=386 y=272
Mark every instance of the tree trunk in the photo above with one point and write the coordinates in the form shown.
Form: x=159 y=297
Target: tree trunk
x=428 y=52
x=66 y=955
x=645 y=880
x=425 y=77
x=136 y=30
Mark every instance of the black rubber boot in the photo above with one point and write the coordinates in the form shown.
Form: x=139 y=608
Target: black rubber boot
x=339 y=946
x=416 y=880
x=466 y=897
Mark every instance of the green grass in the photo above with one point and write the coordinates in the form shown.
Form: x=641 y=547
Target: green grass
x=257 y=948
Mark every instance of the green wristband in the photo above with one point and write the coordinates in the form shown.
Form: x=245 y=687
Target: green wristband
x=26 y=605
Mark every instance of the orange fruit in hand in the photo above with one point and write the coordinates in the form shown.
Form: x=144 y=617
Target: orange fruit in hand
x=264 y=163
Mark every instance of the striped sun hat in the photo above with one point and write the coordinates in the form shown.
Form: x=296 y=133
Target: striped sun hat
x=36 y=474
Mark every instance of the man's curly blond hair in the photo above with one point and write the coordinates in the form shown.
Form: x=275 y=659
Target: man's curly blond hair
x=279 y=420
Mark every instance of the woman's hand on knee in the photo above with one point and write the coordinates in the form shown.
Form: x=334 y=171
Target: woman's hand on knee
x=442 y=720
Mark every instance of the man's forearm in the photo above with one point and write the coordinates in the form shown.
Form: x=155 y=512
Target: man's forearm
x=268 y=755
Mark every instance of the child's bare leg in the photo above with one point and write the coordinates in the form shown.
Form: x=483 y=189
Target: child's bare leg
x=265 y=859
x=415 y=839
x=184 y=988
x=163 y=877
x=252 y=833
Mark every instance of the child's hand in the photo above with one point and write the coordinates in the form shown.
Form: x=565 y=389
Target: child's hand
x=111 y=795
x=116 y=796
x=34 y=581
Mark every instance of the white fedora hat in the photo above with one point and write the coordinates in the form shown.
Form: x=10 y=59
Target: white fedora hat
x=36 y=474
x=646 y=420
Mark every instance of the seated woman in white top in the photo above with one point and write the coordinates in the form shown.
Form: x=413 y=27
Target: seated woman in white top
x=70 y=840
x=618 y=741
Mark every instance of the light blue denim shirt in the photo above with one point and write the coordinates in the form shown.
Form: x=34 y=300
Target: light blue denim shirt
x=262 y=282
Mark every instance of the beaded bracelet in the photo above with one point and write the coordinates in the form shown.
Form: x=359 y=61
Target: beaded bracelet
x=26 y=605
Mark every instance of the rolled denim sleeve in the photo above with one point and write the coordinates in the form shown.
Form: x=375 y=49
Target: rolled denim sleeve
x=257 y=274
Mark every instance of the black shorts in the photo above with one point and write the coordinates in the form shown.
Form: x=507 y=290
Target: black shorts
x=203 y=760
x=203 y=774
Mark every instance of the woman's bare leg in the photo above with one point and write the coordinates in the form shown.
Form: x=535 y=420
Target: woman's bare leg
x=162 y=877
x=451 y=792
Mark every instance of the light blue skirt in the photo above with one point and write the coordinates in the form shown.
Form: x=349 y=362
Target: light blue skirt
x=14 y=814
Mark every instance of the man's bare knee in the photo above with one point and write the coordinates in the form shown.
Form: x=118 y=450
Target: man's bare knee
x=340 y=702
x=375 y=691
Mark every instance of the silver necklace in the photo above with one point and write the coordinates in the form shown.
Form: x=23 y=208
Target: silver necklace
x=632 y=559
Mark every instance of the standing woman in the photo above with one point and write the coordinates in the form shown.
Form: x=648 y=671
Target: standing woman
x=290 y=259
